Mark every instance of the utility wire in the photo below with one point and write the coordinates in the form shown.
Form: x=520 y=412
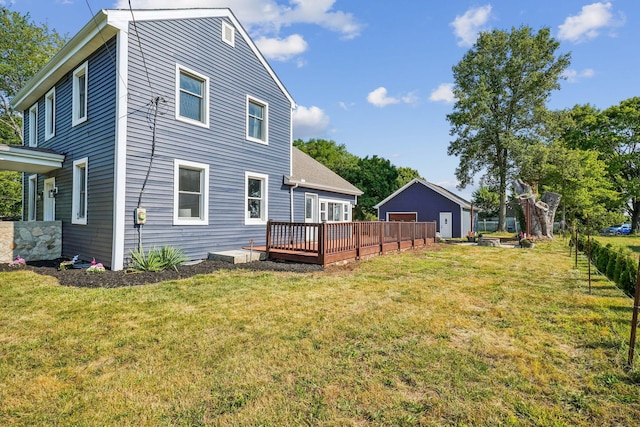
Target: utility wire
x=113 y=60
x=144 y=62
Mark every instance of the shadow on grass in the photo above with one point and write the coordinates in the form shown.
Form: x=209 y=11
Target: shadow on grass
x=634 y=248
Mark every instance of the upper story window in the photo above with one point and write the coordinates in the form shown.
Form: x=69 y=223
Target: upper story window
x=257 y=120
x=192 y=97
x=79 y=103
x=79 y=195
x=191 y=193
x=33 y=125
x=50 y=114
x=256 y=185
x=228 y=34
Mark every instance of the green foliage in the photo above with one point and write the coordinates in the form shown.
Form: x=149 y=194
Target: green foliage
x=377 y=177
x=501 y=87
x=406 y=175
x=10 y=194
x=24 y=49
x=617 y=264
x=157 y=259
x=487 y=201
x=331 y=154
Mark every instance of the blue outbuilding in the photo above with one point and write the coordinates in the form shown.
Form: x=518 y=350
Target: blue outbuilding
x=422 y=201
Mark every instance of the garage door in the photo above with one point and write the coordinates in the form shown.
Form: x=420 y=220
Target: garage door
x=403 y=217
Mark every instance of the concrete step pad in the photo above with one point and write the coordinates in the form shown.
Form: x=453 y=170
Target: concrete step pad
x=237 y=256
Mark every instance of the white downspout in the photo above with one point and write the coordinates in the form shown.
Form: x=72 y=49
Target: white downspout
x=291 y=200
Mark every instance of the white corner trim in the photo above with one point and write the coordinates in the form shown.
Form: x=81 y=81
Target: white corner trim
x=120 y=154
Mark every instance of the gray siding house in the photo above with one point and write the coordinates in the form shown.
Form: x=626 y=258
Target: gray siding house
x=179 y=115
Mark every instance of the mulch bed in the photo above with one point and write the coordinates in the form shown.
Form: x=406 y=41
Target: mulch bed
x=115 y=279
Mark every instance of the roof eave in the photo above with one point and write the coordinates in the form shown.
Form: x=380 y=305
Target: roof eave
x=305 y=184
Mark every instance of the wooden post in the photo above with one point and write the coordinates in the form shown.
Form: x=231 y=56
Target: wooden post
x=322 y=241
x=634 y=317
x=576 y=251
x=268 y=239
x=589 y=253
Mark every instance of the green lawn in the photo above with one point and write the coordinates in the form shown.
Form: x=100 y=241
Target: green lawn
x=630 y=242
x=462 y=335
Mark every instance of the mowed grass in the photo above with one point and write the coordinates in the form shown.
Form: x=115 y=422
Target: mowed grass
x=461 y=335
x=631 y=242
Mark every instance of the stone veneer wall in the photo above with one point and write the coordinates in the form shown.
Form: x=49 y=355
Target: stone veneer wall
x=31 y=240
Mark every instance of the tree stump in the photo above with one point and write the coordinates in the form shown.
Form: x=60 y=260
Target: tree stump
x=539 y=214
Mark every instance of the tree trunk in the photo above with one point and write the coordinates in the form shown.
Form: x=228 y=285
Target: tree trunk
x=539 y=214
x=635 y=214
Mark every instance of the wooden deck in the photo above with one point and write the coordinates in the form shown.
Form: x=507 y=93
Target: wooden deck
x=328 y=243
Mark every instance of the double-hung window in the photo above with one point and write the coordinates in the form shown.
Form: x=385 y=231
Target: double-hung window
x=33 y=125
x=50 y=114
x=191 y=193
x=192 y=95
x=79 y=196
x=256 y=196
x=32 y=201
x=80 y=95
x=257 y=124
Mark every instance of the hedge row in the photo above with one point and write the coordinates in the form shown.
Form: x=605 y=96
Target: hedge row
x=618 y=265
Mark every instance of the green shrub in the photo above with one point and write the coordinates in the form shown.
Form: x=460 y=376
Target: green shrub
x=157 y=259
x=611 y=264
x=603 y=259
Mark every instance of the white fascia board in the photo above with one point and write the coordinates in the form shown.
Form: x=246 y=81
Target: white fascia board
x=313 y=186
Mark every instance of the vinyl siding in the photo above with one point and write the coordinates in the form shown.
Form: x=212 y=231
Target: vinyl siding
x=234 y=73
x=93 y=139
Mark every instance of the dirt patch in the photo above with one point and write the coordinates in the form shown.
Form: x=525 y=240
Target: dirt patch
x=115 y=279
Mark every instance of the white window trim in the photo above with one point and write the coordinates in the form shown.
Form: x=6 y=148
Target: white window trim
x=226 y=26
x=33 y=125
x=50 y=114
x=205 y=123
x=32 y=201
x=346 y=207
x=81 y=70
x=265 y=120
x=204 y=201
x=265 y=198
x=75 y=199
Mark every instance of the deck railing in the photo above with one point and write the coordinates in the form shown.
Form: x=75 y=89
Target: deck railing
x=325 y=243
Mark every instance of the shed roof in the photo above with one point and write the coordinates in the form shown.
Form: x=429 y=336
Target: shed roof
x=309 y=173
x=438 y=189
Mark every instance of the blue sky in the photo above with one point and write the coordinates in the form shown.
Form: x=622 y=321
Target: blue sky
x=376 y=75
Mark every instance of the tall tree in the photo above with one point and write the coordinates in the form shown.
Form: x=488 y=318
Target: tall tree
x=487 y=201
x=621 y=148
x=376 y=176
x=331 y=154
x=24 y=49
x=501 y=86
x=405 y=175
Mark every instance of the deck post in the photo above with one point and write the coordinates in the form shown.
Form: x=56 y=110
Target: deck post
x=268 y=239
x=357 y=230
x=321 y=242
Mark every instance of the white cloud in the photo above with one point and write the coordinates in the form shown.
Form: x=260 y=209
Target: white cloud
x=282 y=49
x=309 y=122
x=573 y=76
x=379 y=98
x=467 y=26
x=443 y=93
x=588 y=23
